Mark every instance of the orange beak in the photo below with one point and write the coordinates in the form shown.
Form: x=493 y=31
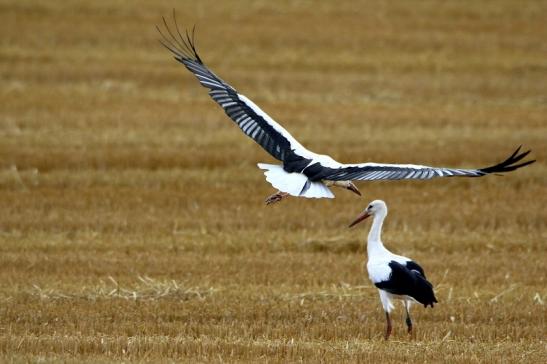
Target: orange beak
x=359 y=218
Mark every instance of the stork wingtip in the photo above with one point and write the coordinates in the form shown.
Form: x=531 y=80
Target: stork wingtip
x=510 y=164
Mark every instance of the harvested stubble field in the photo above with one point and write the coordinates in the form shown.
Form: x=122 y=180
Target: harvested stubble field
x=132 y=222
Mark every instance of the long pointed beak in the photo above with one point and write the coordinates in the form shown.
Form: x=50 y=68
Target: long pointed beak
x=353 y=189
x=359 y=218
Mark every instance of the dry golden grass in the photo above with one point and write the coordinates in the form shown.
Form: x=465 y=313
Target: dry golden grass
x=132 y=224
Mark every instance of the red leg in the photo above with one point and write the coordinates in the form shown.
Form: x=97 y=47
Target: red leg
x=388 y=327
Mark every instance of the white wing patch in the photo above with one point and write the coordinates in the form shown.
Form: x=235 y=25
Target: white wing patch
x=318 y=190
x=378 y=271
x=370 y=164
x=295 y=145
x=293 y=183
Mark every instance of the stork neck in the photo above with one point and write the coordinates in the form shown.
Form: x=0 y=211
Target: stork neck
x=374 y=243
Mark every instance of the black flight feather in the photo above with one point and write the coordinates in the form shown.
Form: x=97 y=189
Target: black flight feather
x=249 y=121
x=409 y=281
x=279 y=145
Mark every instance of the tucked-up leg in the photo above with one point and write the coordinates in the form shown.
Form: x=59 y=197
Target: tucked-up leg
x=353 y=188
x=276 y=197
x=348 y=185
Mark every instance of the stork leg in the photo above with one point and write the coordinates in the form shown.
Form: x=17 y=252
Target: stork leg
x=348 y=185
x=276 y=197
x=388 y=327
x=408 y=319
x=353 y=188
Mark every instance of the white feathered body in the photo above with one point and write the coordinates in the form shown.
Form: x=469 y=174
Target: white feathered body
x=378 y=264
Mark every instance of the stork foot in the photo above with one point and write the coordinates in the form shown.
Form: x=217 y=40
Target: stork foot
x=348 y=185
x=353 y=188
x=276 y=197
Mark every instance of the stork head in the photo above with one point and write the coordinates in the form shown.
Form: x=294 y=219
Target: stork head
x=376 y=207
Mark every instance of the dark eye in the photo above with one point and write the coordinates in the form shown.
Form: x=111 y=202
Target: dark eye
x=369 y=206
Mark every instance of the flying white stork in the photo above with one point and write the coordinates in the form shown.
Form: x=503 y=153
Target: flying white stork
x=395 y=276
x=302 y=172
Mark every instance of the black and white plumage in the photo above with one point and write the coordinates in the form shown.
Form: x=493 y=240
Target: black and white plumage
x=303 y=172
x=395 y=276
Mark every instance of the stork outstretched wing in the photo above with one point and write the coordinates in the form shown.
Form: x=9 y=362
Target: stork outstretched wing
x=250 y=118
x=379 y=171
x=277 y=141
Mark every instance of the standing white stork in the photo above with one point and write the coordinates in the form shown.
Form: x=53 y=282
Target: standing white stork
x=302 y=172
x=395 y=276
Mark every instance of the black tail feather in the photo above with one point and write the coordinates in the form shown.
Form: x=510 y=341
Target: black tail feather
x=509 y=164
x=431 y=302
